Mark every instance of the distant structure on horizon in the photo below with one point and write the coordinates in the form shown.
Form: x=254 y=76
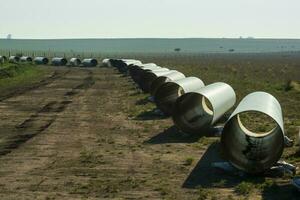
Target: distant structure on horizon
x=250 y=37
x=9 y=36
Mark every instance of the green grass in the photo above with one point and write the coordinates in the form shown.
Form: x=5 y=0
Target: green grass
x=15 y=77
x=189 y=161
x=203 y=194
x=244 y=188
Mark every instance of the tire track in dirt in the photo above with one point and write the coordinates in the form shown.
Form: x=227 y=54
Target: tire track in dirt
x=54 y=76
x=45 y=116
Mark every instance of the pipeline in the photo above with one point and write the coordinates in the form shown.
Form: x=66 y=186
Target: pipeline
x=173 y=75
x=123 y=64
x=254 y=151
x=26 y=59
x=59 y=61
x=148 y=76
x=195 y=112
x=135 y=69
x=14 y=59
x=131 y=62
x=138 y=73
x=75 y=62
x=106 y=62
x=166 y=96
x=41 y=60
x=116 y=63
x=90 y=62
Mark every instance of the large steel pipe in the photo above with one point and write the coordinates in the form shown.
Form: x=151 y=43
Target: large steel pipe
x=75 y=62
x=119 y=64
x=135 y=70
x=195 y=112
x=169 y=77
x=128 y=62
x=254 y=151
x=131 y=62
x=41 y=60
x=169 y=92
x=141 y=70
x=106 y=62
x=59 y=61
x=116 y=63
x=26 y=59
x=148 y=76
x=123 y=64
x=90 y=62
x=14 y=59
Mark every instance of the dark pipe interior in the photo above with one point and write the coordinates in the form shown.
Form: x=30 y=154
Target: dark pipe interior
x=119 y=64
x=14 y=59
x=166 y=96
x=78 y=61
x=133 y=73
x=156 y=84
x=64 y=61
x=90 y=63
x=45 y=61
x=146 y=81
x=139 y=74
x=248 y=153
x=75 y=62
x=94 y=62
x=191 y=113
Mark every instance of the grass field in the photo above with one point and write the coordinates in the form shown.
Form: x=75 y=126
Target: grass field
x=247 y=73
x=76 y=133
x=277 y=74
x=18 y=77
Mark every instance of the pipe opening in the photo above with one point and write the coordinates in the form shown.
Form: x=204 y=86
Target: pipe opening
x=90 y=62
x=256 y=124
x=193 y=113
x=45 y=61
x=138 y=75
x=75 y=61
x=64 y=61
x=166 y=97
x=251 y=151
x=157 y=83
x=133 y=73
x=3 y=58
x=147 y=79
x=94 y=62
x=120 y=65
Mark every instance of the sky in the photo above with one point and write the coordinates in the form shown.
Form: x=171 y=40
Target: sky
x=51 y=19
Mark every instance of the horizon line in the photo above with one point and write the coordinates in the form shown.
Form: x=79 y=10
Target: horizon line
x=171 y=38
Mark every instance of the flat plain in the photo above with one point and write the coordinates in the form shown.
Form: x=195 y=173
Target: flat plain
x=90 y=133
